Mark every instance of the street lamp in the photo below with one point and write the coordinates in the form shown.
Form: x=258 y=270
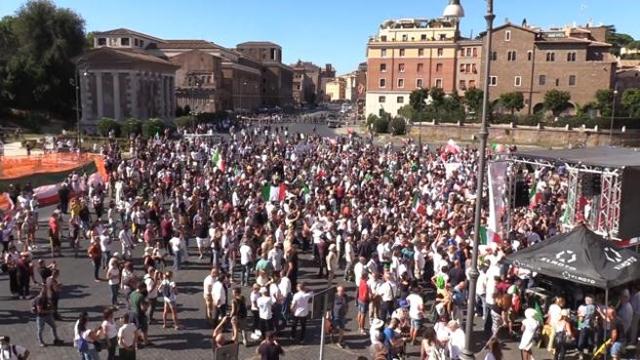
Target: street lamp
x=613 y=114
x=467 y=353
x=76 y=87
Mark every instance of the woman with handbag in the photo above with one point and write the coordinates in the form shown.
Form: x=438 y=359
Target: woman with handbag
x=563 y=335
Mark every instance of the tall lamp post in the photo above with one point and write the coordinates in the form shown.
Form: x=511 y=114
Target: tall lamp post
x=451 y=10
x=613 y=113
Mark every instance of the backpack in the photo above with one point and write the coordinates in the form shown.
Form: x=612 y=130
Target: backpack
x=166 y=290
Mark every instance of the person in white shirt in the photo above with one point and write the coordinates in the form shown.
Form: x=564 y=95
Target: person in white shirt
x=105 y=246
x=358 y=269
x=151 y=280
x=332 y=262
x=219 y=298
x=349 y=258
x=246 y=260
x=110 y=332
x=127 y=335
x=387 y=292
x=300 y=307
x=169 y=294
x=416 y=312
x=275 y=256
x=285 y=289
x=113 y=278
x=179 y=250
x=207 y=287
x=126 y=241
x=9 y=351
x=265 y=311
x=456 y=340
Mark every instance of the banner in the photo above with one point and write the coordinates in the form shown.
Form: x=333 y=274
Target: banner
x=497 y=175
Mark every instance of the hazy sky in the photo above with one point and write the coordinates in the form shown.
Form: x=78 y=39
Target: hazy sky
x=328 y=31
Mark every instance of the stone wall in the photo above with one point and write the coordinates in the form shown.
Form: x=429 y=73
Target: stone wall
x=527 y=135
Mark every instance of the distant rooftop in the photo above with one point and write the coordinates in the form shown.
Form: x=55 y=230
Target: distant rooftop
x=257 y=43
x=187 y=44
x=125 y=31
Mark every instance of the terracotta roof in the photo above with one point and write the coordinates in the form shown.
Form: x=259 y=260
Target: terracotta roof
x=130 y=54
x=186 y=44
x=257 y=43
x=125 y=31
x=515 y=26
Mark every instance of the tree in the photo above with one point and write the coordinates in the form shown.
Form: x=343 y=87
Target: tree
x=631 y=102
x=617 y=40
x=408 y=112
x=42 y=39
x=473 y=100
x=604 y=101
x=556 y=101
x=512 y=101
x=152 y=127
x=398 y=126
x=418 y=98
x=105 y=125
x=437 y=98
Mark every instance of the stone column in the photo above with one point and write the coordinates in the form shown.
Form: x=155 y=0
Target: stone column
x=159 y=95
x=133 y=93
x=117 y=114
x=99 y=98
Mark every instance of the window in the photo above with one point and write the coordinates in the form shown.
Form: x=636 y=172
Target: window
x=423 y=37
x=400 y=99
x=557 y=82
x=401 y=67
x=551 y=56
x=472 y=84
x=462 y=85
x=467 y=68
x=419 y=83
x=473 y=69
x=507 y=35
x=571 y=56
x=141 y=43
x=400 y=83
x=382 y=99
x=529 y=55
x=493 y=80
x=401 y=52
x=383 y=83
x=420 y=52
x=511 y=56
x=462 y=68
x=542 y=80
x=494 y=56
x=572 y=80
x=440 y=52
x=419 y=67
x=125 y=41
x=439 y=83
x=468 y=52
x=517 y=81
x=383 y=53
x=405 y=37
x=443 y=37
x=102 y=41
x=383 y=67
x=475 y=52
x=383 y=38
x=439 y=67
x=135 y=41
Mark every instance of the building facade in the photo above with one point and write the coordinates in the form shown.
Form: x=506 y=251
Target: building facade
x=199 y=81
x=306 y=82
x=327 y=74
x=406 y=55
x=335 y=89
x=121 y=83
x=534 y=61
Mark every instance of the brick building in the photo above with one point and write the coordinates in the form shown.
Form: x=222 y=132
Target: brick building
x=306 y=82
x=534 y=61
x=277 y=78
x=406 y=55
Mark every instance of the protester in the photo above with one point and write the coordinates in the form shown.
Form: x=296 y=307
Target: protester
x=169 y=294
x=11 y=351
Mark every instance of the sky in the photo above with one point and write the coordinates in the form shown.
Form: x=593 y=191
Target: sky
x=329 y=31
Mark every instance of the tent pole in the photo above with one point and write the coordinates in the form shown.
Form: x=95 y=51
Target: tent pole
x=606 y=308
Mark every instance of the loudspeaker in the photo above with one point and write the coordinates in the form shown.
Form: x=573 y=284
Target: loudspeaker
x=591 y=184
x=522 y=194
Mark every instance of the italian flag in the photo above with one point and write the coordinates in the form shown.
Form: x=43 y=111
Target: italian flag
x=218 y=160
x=487 y=235
x=418 y=206
x=534 y=196
x=274 y=193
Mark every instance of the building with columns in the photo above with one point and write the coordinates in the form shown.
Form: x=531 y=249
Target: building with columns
x=121 y=83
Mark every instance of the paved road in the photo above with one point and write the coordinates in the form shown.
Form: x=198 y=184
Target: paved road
x=82 y=293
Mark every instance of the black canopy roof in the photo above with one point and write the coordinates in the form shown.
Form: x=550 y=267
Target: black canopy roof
x=580 y=256
x=604 y=156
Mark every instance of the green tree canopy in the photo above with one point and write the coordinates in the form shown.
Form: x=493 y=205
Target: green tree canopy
x=437 y=98
x=36 y=72
x=631 y=102
x=512 y=101
x=604 y=101
x=473 y=100
x=556 y=101
x=418 y=98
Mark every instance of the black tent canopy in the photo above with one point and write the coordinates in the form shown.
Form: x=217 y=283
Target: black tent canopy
x=580 y=256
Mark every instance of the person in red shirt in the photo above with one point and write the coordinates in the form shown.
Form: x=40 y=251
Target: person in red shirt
x=363 y=300
x=54 y=234
x=166 y=230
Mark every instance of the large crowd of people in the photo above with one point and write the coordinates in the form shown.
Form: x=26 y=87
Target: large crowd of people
x=390 y=226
